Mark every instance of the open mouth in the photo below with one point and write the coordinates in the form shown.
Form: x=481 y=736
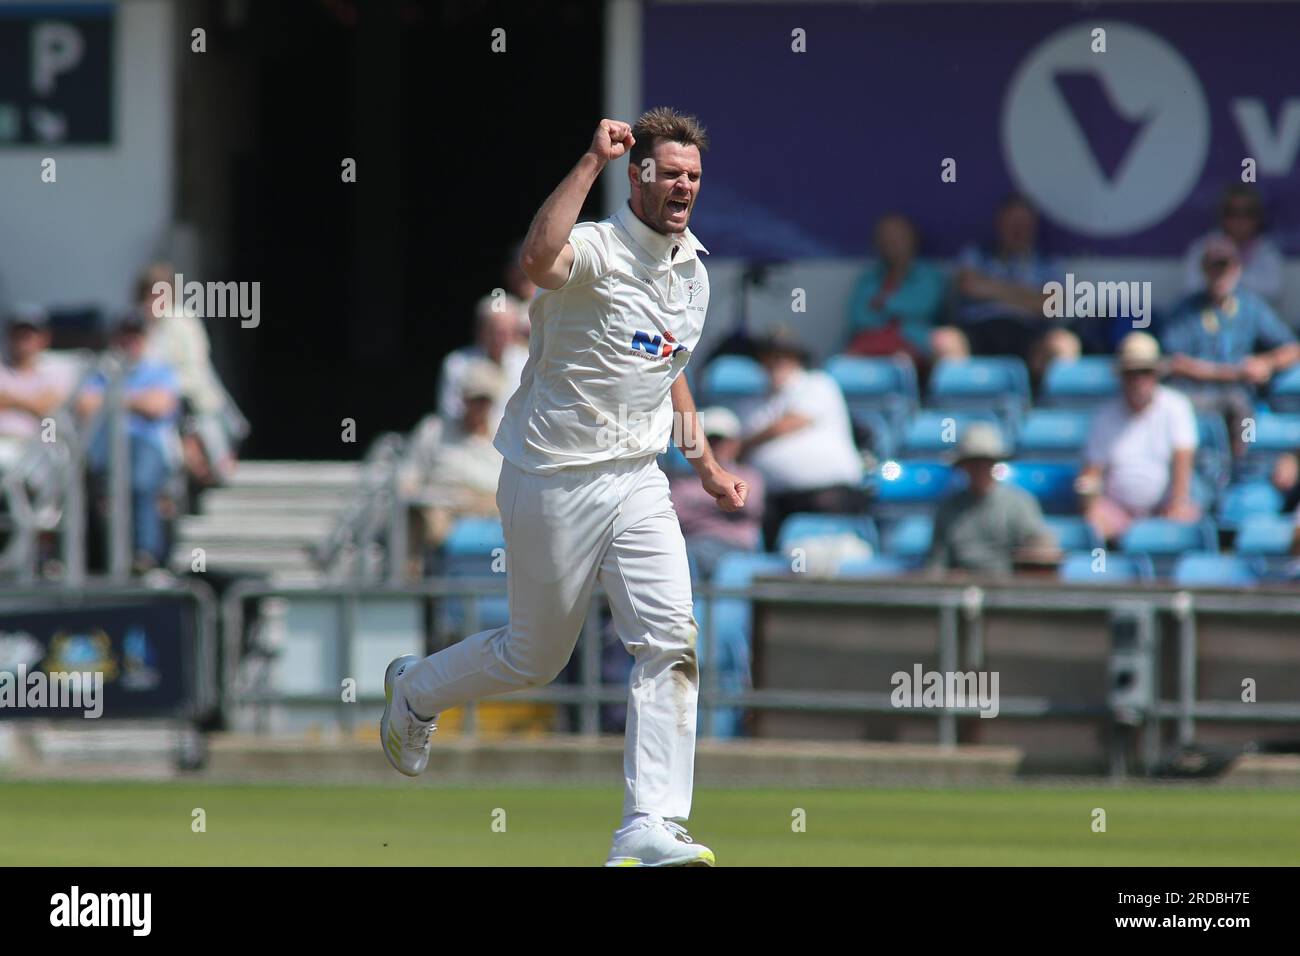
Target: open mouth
x=676 y=208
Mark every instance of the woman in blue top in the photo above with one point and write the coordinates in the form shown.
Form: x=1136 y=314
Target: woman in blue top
x=896 y=303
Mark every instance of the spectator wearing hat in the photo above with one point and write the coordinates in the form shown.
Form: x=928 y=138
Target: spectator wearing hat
x=896 y=303
x=710 y=532
x=151 y=392
x=988 y=527
x=1141 y=446
x=1226 y=341
x=453 y=469
x=497 y=341
x=1241 y=220
x=31 y=389
x=801 y=439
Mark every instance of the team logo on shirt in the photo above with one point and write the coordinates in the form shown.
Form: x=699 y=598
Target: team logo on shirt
x=656 y=345
x=693 y=288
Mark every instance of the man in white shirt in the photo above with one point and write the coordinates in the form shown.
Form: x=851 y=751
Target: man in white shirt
x=581 y=496
x=497 y=340
x=1138 y=460
x=801 y=440
x=31 y=389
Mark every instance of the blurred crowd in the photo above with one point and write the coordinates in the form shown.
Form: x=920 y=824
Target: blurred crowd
x=182 y=428
x=805 y=451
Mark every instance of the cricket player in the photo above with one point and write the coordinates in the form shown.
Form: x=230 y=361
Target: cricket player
x=581 y=495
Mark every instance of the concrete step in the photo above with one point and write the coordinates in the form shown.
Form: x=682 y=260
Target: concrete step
x=253 y=529
x=297 y=475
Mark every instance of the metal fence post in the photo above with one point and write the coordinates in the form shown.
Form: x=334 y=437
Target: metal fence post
x=1185 y=616
x=121 y=541
x=948 y=664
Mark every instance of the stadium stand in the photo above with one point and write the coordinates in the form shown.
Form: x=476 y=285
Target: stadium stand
x=1111 y=568
x=1084 y=383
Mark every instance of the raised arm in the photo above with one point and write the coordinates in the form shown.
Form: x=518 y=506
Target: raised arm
x=547 y=257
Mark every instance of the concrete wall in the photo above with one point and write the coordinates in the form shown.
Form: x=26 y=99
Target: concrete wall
x=81 y=240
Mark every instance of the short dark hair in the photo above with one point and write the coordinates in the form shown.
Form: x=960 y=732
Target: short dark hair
x=664 y=122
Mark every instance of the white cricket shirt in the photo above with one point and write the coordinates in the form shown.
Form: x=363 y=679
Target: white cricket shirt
x=1136 y=449
x=606 y=347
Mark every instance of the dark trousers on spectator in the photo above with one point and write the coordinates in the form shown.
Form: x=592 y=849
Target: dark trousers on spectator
x=833 y=499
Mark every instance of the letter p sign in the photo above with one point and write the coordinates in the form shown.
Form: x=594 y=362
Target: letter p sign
x=56 y=48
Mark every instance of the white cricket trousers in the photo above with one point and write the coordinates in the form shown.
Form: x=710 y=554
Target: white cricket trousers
x=613 y=522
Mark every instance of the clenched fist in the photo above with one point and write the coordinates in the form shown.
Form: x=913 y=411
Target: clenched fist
x=612 y=140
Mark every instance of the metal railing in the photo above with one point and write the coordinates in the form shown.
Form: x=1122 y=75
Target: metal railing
x=45 y=489
x=959 y=613
x=371 y=532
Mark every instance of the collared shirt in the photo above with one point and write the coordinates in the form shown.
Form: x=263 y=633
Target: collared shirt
x=975 y=533
x=1032 y=270
x=915 y=302
x=606 y=348
x=1135 y=450
x=819 y=455
x=1242 y=325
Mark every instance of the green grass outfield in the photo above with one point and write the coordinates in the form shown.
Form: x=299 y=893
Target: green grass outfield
x=134 y=824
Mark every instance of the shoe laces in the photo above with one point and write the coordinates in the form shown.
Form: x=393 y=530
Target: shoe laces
x=417 y=732
x=678 y=831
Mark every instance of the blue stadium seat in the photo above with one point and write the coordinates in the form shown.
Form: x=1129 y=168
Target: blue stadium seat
x=937 y=431
x=1054 y=434
x=1284 y=390
x=873 y=387
x=1051 y=482
x=1108 y=568
x=908 y=539
x=1274 y=433
x=469 y=551
x=1084 y=383
x=673 y=462
x=877 y=566
x=813 y=525
x=1248 y=498
x=474 y=538
x=904 y=488
x=995 y=382
x=1163 y=540
x=1267 y=539
x=874 y=383
x=883 y=429
x=729 y=621
x=1201 y=569
x=1072 y=533
x=729 y=378
x=1213 y=451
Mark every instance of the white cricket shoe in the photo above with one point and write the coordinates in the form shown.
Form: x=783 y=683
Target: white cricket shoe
x=655 y=842
x=404 y=736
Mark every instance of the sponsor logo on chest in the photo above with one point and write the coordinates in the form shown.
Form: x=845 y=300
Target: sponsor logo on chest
x=655 y=345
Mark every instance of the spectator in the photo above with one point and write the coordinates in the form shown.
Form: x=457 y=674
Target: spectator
x=896 y=303
x=179 y=340
x=1225 y=341
x=151 y=392
x=497 y=341
x=801 y=440
x=30 y=388
x=1000 y=293
x=453 y=469
x=711 y=532
x=988 y=527
x=1140 y=451
x=1241 y=220
x=1286 y=479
